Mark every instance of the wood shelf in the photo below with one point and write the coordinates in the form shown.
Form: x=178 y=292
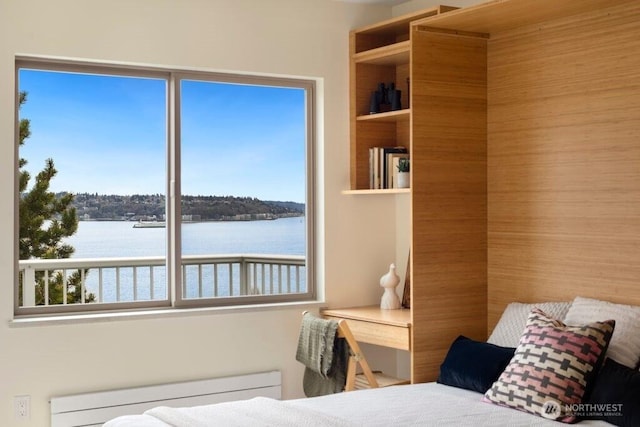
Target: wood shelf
x=391 y=116
x=395 y=54
x=379 y=191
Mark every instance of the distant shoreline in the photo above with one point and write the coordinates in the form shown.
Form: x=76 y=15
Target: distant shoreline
x=194 y=208
x=191 y=221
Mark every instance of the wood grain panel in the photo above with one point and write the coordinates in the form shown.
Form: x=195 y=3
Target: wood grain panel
x=448 y=195
x=501 y=15
x=564 y=160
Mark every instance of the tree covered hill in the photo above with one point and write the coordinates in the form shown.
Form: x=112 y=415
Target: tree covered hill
x=198 y=208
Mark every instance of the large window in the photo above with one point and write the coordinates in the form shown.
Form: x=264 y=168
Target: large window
x=161 y=188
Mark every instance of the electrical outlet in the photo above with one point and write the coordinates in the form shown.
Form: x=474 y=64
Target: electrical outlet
x=22 y=407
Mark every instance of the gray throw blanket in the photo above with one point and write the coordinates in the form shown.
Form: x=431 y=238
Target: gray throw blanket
x=324 y=355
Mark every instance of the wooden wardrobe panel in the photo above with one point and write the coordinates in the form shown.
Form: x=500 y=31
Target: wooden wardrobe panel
x=564 y=160
x=448 y=166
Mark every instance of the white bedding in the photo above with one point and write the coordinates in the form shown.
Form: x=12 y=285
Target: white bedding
x=253 y=412
x=426 y=404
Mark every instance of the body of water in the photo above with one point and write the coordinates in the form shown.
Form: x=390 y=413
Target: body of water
x=101 y=239
x=116 y=239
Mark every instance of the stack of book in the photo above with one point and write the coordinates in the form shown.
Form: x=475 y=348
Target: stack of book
x=383 y=166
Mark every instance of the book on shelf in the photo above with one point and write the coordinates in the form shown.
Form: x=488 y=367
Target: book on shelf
x=381 y=166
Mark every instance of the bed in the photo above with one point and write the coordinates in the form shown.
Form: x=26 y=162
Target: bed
x=526 y=374
x=408 y=405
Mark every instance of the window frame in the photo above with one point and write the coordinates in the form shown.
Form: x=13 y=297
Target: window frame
x=173 y=194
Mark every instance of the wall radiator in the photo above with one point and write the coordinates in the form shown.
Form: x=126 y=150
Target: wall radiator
x=94 y=409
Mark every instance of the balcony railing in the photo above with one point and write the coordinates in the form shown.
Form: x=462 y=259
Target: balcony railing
x=144 y=279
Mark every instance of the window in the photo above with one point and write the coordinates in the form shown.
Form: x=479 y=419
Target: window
x=161 y=188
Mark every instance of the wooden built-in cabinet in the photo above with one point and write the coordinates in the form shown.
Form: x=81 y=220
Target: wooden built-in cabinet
x=461 y=95
x=442 y=123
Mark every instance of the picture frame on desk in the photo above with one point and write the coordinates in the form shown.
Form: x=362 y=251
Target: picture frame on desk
x=406 y=293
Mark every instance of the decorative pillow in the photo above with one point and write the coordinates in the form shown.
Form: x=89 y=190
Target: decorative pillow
x=615 y=397
x=509 y=329
x=625 y=344
x=552 y=366
x=473 y=365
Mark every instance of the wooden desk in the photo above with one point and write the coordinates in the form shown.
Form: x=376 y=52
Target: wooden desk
x=388 y=328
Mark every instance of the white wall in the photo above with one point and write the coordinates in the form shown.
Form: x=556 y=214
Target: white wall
x=296 y=37
x=358 y=234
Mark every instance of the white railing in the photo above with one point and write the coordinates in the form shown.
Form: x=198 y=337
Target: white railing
x=144 y=278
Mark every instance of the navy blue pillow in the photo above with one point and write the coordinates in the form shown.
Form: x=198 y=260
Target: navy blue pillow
x=615 y=396
x=474 y=365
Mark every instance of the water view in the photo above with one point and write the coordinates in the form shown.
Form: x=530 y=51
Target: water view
x=101 y=239
x=120 y=239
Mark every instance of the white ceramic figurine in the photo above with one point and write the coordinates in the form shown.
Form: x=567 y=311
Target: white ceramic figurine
x=389 y=281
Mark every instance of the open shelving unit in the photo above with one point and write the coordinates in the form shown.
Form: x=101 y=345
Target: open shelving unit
x=380 y=53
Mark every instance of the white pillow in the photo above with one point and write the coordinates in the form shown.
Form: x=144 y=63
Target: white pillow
x=511 y=325
x=624 y=347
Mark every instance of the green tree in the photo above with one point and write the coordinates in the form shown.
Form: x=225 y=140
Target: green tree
x=46 y=219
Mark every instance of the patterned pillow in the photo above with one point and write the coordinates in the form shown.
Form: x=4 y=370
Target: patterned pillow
x=552 y=366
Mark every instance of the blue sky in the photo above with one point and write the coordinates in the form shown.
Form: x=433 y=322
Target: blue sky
x=107 y=135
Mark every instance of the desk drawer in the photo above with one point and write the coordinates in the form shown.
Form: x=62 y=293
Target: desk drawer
x=379 y=334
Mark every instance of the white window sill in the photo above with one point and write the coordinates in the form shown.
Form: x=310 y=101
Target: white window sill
x=113 y=316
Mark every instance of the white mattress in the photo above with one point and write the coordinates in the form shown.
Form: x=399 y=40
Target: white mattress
x=406 y=405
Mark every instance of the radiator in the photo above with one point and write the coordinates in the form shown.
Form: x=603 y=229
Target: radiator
x=94 y=409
